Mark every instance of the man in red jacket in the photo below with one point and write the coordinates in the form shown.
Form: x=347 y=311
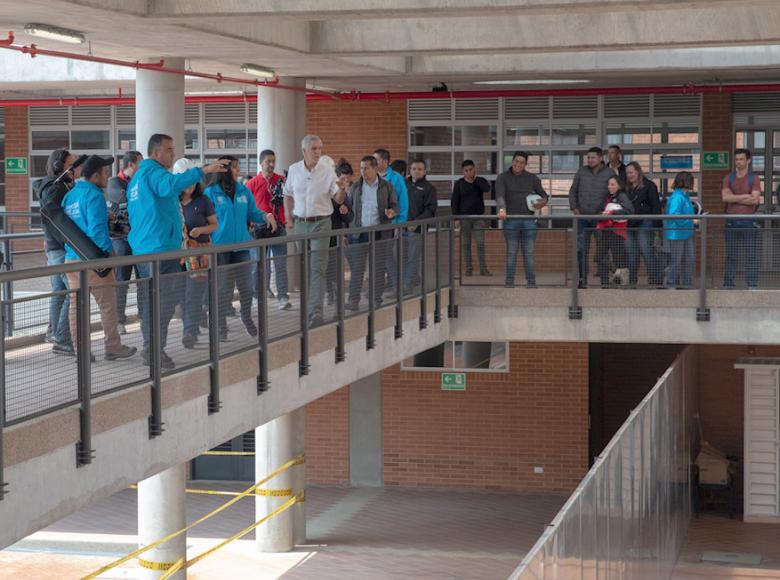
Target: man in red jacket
x=266 y=188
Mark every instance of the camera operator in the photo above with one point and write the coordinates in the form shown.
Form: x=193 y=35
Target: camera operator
x=267 y=189
x=119 y=226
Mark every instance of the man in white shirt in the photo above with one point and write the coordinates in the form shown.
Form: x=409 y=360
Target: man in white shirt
x=308 y=191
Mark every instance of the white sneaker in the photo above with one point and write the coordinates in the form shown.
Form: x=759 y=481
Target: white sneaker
x=284 y=304
x=121 y=329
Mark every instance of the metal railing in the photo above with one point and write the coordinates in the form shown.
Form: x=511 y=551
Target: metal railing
x=35 y=381
x=629 y=515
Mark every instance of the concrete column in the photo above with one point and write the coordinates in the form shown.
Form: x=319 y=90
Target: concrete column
x=161 y=511
x=365 y=432
x=274 y=446
x=299 y=476
x=159 y=106
x=281 y=122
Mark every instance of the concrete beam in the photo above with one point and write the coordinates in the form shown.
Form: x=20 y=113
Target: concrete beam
x=709 y=25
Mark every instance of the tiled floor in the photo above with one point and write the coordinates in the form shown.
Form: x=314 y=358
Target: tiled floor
x=352 y=534
x=719 y=533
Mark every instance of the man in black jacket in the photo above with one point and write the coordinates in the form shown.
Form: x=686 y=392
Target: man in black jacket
x=468 y=199
x=58 y=332
x=422 y=205
x=116 y=199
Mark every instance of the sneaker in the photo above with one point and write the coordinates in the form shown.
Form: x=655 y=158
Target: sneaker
x=49 y=337
x=352 y=306
x=166 y=362
x=63 y=349
x=189 y=340
x=123 y=352
x=316 y=320
x=485 y=272
x=284 y=304
x=250 y=328
x=508 y=284
x=120 y=328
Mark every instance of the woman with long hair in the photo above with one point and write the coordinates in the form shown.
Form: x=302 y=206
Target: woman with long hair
x=679 y=233
x=643 y=194
x=236 y=212
x=611 y=233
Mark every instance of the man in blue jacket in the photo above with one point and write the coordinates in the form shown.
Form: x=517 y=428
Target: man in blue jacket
x=398 y=182
x=156 y=226
x=86 y=207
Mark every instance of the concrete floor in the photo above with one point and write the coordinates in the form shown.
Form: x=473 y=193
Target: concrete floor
x=352 y=534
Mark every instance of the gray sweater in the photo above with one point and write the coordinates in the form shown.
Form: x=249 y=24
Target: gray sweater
x=589 y=189
x=512 y=191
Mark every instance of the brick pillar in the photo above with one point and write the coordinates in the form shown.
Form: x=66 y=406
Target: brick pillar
x=717 y=133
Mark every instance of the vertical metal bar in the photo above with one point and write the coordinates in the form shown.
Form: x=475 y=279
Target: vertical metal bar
x=155 y=348
x=213 y=405
x=340 y=349
x=8 y=288
x=399 y=284
x=452 y=308
x=371 y=298
x=303 y=363
x=702 y=312
x=3 y=485
x=423 y=280
x=575 y=310
x=84 y=451
x=262 y=319
x=437 y=259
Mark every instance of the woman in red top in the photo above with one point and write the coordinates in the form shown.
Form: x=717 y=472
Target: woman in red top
x=611 y=233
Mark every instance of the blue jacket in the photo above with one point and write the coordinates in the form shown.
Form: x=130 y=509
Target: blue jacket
x=678 y=204
x=86 y=207
x=233 y=216
x=153 y=206
x=399 y=185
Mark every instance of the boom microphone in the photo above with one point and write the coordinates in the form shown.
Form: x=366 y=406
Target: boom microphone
x=72 y=168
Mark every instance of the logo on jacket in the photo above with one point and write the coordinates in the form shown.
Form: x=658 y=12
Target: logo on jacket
x=133 y=195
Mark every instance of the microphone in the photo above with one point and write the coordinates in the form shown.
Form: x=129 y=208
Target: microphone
x=72 y=168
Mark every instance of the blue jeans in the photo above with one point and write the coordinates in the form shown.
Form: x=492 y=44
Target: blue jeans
x=357 y=257
x=171 y=288
x=520 y=233
x=412 y=263
x=639 y=241
x=58 y=305
x=587 y=229
x=238 y=276
x=681 y=263
x=741 y=236
x=122 y=274
x=194 y=291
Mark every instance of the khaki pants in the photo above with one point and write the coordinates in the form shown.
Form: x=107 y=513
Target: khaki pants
x=318 y=261
x=104 y=291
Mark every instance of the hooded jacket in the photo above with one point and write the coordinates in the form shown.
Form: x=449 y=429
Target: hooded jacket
x=233 y=215
x=46 y=189
x=678 y=203
x=399 y=185
x=86 y=207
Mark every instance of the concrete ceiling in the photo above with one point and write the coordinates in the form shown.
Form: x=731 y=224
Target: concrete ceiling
x=408 y=44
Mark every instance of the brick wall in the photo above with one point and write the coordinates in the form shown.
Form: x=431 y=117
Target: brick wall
x=352 y=129
x=17 y=196
x=327 y=439
x=492 y=435
x=717 y=134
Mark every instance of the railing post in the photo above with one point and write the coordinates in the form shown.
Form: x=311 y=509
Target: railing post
x=399 y=283
x=371 y=298
x=262 y=319
x=702 y=312
x=303 y=363
x=423 y=281
x=575 y=310
x=3 y=485
x=155 y=419
x=437 y=260
x=8 y=288
x=213 y=404
x=452 y=308
x=340 y=352
x=84 y=452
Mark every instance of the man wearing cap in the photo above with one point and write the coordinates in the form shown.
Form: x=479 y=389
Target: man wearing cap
x=156 y=226
x=514 y=189
x=86 y=207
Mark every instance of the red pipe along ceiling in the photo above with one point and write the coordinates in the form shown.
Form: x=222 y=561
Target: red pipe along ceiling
x=354 y=95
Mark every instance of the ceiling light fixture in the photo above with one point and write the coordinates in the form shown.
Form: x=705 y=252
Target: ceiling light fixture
x=258 y=71
x=55 y=33
x=534 y=82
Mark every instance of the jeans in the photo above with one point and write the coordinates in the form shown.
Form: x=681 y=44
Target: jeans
x=586 y=229
x=318 y=261
x=741 y=236
x=357 y=256
x=520 y=233
x=412 y=263
x=122 y=274
x=279 y=254
x=171 y=288
x=681 y=264
x=58 y=305
x=478 y=228
x=236 y=276
x=389 y=262
x=194 y=290
x=640 y=242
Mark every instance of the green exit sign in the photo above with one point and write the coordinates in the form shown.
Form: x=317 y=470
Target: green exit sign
x=715 y=160
x=16 y=165
x=453 y=381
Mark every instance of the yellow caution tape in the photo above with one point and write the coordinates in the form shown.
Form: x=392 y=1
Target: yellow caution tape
x=275 y=492
x=158 y=566
x=259 y=492
x=177 y=565
x=246 y=492
x=302 y=496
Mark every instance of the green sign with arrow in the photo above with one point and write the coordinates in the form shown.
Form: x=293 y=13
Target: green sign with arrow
x=453 y=381
x=715 y=160
x=16 y=165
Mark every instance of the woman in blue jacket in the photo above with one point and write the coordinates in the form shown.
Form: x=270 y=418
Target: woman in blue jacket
x=679 y=233
x=236 y=210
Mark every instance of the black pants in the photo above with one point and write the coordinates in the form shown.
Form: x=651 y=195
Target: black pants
x=228 y=280
x=357 y=256
x=609 y=243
